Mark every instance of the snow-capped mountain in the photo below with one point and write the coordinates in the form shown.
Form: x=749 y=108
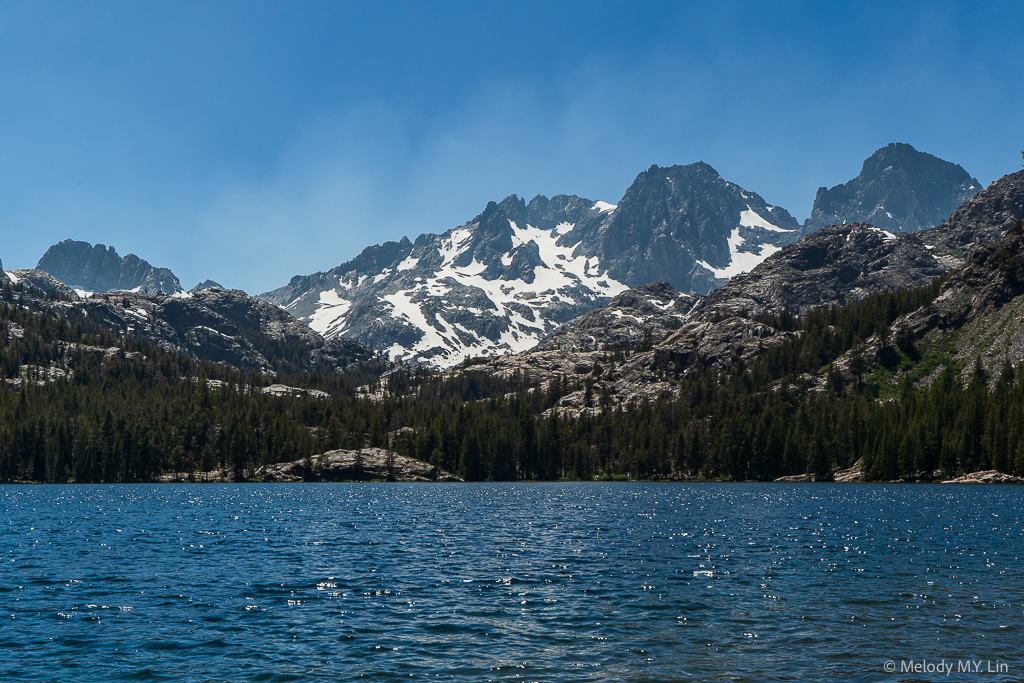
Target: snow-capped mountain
x=495 y=284
x=518 y=271
x=688 y=226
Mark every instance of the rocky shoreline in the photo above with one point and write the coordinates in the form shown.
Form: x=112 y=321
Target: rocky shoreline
x=367 y=464
x=986 y=477
x=856 y=474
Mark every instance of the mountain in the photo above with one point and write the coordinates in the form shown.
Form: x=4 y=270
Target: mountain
x=519 y=270
x=495 y=284
x=224 y=326
x=898 y=189
x=669 y=330
x=96 y=268
x=670 y=333
x=688 y=226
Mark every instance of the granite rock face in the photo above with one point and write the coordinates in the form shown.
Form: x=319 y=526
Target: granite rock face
x=688 y=226
x=367 y=464
x=983 y=219
x=42 y=281
x=635 y=317
x=223 y=326
x=986 y=477
x=96 y=268
x=979 y=315
x=898 y=189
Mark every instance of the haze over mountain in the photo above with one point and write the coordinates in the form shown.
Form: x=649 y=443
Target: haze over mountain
x=515 y=272
x=501 y=282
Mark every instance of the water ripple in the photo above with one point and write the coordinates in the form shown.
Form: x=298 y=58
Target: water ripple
x=514 y=582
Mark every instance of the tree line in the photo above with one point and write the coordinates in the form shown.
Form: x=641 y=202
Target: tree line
x=126 y=410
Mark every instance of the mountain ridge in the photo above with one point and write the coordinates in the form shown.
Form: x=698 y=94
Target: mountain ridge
x=518 y=270
x=97 y=268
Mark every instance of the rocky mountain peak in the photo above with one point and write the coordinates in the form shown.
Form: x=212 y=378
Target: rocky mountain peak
x=688 y=226
x=899 y=189
x=98 y=268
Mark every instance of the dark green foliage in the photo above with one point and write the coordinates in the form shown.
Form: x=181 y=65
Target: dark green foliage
x=130 y=411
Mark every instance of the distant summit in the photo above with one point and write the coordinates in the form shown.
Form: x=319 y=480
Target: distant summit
x=688 y=226
x=97 y=268
x=206 y=284
x=899 y=189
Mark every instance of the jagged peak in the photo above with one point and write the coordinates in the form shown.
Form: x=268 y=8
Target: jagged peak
x=697 y=168
x=97 y=267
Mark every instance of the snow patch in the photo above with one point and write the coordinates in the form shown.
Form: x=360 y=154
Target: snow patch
x=409 y=263
x=751 y=219
x=605 y=207
x=329 y=317
x=741 y=261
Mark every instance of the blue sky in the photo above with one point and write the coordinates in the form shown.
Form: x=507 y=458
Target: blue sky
x=248 y=142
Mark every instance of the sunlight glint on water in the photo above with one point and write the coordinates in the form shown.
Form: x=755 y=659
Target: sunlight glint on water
x=546 y=582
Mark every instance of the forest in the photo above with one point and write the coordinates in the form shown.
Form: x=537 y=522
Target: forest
x=80 y=405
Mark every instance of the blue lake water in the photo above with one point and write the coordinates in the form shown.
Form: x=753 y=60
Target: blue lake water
x=531 y=582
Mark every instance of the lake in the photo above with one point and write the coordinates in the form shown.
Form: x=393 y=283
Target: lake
x=510 y=582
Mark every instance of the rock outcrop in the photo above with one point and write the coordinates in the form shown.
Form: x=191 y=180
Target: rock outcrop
x=367 y=464
x=795 y=479
x=982 y=219
x=979 y=313
x=44 y=282
x=985 y=477
x=851 y=474
x=636 y=317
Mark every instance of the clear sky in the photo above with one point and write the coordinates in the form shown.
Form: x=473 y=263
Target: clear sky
x=250 y=141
